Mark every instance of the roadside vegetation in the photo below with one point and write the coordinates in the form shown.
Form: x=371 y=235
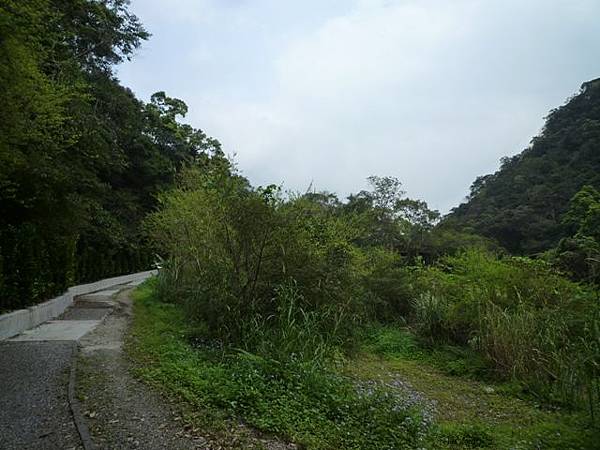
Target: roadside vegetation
x=306 y=317
x=81 y=158
x=297 y=400
x=530 y=324
x=366 y=322
x=392 y=392
x=472 y=408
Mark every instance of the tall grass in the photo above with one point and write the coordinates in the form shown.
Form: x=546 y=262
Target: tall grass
x=531 y=324
x=555 y=352
x=312 y=406
x=430 y=315
x=274 y=276
x=296 y=332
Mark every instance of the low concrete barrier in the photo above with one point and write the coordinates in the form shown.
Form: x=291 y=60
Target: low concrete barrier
x=18 y=321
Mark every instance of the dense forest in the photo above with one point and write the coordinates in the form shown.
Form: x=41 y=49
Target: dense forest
x=286 y=310
x=523 y=204
x=81 y=159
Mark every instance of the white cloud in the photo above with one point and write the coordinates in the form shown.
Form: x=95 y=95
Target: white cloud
x=431 y=91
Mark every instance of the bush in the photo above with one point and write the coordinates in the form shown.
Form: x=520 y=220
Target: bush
x=387 y=281
x=530 y=323
x=252 y=266
x=318 y=409
x=578 y=257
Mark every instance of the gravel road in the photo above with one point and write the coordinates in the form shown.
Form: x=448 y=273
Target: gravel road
x=34 y=406
x=120 y=411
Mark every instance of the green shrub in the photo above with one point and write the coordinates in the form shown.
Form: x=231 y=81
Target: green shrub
x=387 y=281
x=578 y=256
x=234 y=253
x=314 y=407
x=532 y=324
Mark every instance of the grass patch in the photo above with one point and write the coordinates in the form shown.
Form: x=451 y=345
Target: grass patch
x=311 y=406
x=322 y=408
x=471 y=412
x=397 y=342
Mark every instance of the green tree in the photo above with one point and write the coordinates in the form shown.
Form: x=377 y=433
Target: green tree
x=522 y=204
x=81 y=159
x=579 y=253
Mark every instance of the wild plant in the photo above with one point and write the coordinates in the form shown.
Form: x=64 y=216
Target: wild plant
x=532 y=325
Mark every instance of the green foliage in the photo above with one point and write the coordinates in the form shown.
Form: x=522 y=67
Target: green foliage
x=393 y=342
x=578 y=255
x=81 y=159
x=387 y=281
x=34 y=133
x=447 y=241
x=582 y=215
x=465 y=282
x=292 y=279
x=463 y=436
x=249 y=264
x=296 y=332
x=529 y=322
x=315 y=408
x=469 y=410
x=390 y=220
x=521 y=205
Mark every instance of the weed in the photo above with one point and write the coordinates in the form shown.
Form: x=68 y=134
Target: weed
x=462 y=436
x=532 y=325
x=311 y=405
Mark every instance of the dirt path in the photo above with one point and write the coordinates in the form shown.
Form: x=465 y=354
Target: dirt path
x=120 y=411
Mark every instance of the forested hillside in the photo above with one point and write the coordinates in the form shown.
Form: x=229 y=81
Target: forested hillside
x=81 y=159
x=522 y=204
x=327 y=323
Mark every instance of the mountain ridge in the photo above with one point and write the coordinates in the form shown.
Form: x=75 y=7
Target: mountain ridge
x=521 y=204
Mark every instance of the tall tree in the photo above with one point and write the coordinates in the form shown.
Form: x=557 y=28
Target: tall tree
x=81 y=159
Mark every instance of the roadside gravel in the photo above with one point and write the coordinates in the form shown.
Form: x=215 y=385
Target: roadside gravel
x=120 y=411
x=34 y=405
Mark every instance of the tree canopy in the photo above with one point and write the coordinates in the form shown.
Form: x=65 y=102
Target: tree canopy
x=81 y=159
x=522 y=204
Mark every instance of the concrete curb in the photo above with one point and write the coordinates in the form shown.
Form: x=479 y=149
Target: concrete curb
x=82 y=429
x=16 y=322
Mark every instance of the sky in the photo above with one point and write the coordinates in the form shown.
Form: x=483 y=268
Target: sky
x=324 y=93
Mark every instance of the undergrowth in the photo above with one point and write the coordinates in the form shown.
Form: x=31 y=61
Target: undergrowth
x=399 y=342
x=327 y=406
x=474 y=409
x=309 y=405
x=531 y=325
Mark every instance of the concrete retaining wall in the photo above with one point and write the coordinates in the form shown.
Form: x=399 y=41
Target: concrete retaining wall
x=18 y=321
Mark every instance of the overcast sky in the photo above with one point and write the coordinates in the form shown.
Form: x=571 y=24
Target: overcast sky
x=433 y=92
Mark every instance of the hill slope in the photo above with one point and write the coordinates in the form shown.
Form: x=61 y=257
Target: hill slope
x=522 y=203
